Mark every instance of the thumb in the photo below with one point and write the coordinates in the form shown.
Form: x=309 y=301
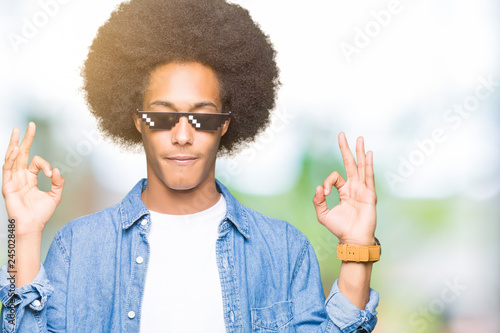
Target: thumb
x=319 y=202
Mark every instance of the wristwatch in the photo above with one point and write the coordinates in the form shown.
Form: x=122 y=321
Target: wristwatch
x=346 y=252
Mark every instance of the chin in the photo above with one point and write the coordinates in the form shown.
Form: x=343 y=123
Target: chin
x=182 y=187
x=182 y=184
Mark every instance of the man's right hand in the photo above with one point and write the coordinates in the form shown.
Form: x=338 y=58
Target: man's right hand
x=30 y=207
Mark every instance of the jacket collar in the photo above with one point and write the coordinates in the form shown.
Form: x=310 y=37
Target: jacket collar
x=132 y=209
x=235 y=211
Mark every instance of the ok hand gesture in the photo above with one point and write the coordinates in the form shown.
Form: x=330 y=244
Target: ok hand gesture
x=30 y=207
x=353 y=220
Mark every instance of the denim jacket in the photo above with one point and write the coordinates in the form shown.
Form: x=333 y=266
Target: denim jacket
x=94 y=274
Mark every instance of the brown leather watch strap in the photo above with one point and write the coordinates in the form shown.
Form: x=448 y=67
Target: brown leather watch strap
x=347 y=252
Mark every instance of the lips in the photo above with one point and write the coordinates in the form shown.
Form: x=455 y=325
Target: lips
x=182 y=159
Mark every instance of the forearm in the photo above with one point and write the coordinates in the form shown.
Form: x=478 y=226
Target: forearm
x=27 y=258
x=354 y=277
x=354 y=282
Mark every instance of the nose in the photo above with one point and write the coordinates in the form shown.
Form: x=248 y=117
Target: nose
x=183 y=132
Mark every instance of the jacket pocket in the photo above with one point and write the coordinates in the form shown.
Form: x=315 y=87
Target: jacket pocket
x=274 y=318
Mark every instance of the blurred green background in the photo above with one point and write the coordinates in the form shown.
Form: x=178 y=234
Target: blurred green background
x=419 y=80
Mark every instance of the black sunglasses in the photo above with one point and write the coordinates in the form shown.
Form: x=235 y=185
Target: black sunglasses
x=200 y=121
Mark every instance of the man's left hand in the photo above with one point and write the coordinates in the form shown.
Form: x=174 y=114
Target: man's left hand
x=353 y=220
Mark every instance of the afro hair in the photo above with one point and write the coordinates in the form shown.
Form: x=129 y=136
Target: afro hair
x=141 y=35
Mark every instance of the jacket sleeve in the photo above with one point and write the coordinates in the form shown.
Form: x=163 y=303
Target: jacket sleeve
x=39 y=306
x=337 y=314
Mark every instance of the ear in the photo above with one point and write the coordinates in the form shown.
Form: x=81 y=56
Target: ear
x=137 y=123
x=225 y=126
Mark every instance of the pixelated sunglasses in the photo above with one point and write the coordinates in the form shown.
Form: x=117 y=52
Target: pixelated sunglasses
x=167 y=120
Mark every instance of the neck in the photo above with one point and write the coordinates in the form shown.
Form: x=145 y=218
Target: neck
x=160 y=198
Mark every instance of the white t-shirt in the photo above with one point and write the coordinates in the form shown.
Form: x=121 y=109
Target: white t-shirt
x=183 y=291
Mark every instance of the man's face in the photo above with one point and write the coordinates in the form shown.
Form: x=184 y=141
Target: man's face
x=182 y=158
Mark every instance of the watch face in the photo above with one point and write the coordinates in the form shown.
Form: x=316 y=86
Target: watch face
x=377 y=242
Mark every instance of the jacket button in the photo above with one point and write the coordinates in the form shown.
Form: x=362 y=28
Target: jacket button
x=131 y=314
x=36 y=302
x=139 y=260
x=144 y=222
x=224 y=262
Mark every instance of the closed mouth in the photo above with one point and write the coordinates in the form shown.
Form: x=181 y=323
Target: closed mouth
x=182 y=158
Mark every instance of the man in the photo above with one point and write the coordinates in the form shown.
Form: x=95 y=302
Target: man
x=188 y=79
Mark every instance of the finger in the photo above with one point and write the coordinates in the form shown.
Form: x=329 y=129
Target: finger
x=333 y=179
x=349 y=162
x=57 y=185
x=370 y=176
x=37 y=164
x=9 y=163
x=319 y=202
x=14 y=142
x=360 y=158
x=22 y=160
